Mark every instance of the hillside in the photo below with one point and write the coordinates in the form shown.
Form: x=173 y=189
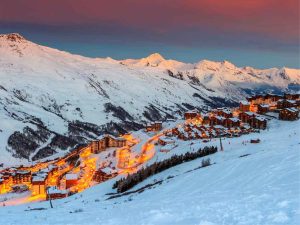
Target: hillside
x=51 y=101
x=247 y=184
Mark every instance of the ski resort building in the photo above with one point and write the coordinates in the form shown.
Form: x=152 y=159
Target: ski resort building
x=38 y=185
x=216 y=120
x=21 y=177
x=224 y=112
x=71 y=180
x=165 y=140
x=289 y=114
x=154 y=126
x=286 y=103
x=54 y=193
x=258 y=122
x=290 y=96
x=263 y=108
x=255 y=100
x=244 y=106
x=192 y=114
x=232 y=122
x=245 y=117
x=106 y=141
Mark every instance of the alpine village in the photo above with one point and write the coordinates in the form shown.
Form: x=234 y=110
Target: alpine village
x=83 y=168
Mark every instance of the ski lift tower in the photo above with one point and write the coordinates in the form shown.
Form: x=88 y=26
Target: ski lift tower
x=221 y=146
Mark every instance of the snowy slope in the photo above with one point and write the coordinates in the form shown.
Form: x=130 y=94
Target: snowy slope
x=51 y=100
x=261 y=188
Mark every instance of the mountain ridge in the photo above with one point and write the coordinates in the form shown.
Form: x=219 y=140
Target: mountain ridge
x=52 y=100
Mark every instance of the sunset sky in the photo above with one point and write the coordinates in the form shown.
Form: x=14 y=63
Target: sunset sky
x=260 y=33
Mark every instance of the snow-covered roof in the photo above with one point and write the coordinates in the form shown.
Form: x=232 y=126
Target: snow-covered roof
x=54 y=190
x=244 y=102
x=250 y=113
x=264 y=105
x=220 y=117
x=291 y=101
x=246 y=126
x=234 y=119
x=22 y=172
x=260 y=118
x=181 y=130
x=106 y=170
x=39 y=178
x=227 y=111
x=292 y=109
x=110 y=136
x=192 y=111
x=71 y=176
x=218 y=127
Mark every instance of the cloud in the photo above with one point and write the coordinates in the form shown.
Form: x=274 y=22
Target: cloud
x=277 y=19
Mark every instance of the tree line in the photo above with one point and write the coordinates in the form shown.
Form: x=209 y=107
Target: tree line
x=131 y=180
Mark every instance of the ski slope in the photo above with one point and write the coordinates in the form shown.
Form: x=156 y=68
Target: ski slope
x=262 y=187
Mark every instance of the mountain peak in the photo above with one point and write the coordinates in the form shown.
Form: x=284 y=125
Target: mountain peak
x=13 y=37
x=155 y=58
x=228 y=64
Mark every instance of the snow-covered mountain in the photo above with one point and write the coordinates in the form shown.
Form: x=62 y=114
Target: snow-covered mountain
x=51 y=100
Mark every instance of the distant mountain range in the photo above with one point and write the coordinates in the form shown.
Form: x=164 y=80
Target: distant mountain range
x=51 y=101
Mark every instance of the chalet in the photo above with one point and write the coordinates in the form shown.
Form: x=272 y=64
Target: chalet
x=263 y=108
x=244 y=106
x=255 y=100
x=54 y=193
x=205 y=119
x=197 y=133
x=188 y=127
x=175 y=131
x=290 y=96
x=258 y=122
x=192 y=114
x=286 y=103
x=106 y=141
x=270 y=98
x=182 y=134
x=245 y=117
x=289 y=114
x=38 y=183
x=71 y=180
x=225 y=113
x=217 y=120
x=6 y=180
x=220 y=130
x=231 y=122
x=154 y=126
x=101 y=176
x=21 y=176
x=165 y=141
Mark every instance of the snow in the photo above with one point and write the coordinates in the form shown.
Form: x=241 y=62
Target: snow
x=57 y=88
x=246 y=184
x=54 y=190
x=292 y=109
x=39 y=177
x=244 y=102
x=71 y=176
